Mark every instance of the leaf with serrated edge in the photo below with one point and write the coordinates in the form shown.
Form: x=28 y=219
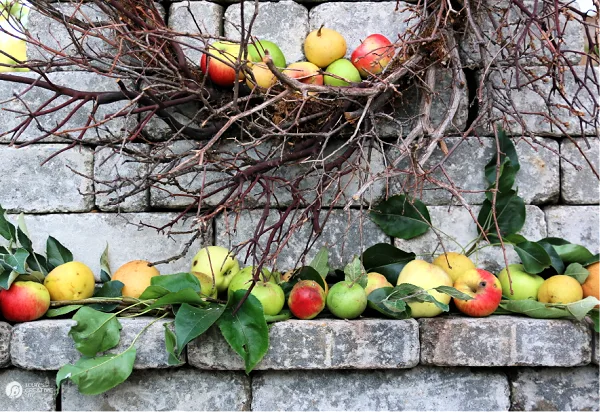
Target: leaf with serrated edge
x=24 y=240
x=191 y=322
x=355 y=272
x=376 y=301
x=577 y=271
x=320 y=262
x=95 y=331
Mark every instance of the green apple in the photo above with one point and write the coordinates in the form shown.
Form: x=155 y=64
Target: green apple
x=258 y=49
x=243 y=279
x=342 y=68
x=214 y=266
x=347 y=300
x=266 y=290
x=524 y=285
x=426 y=276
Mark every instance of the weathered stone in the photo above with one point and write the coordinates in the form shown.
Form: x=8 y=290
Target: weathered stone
x=504 y=341
x=127 y=237
x=284 y=22
x=357 y=20
x=537 y=180
x=45 y=344
x=346 y=233
x=458 y=229
x=24 y=173
x=580 y=186
x=596 y=349
x=555 y=389
x=577 y=224
x=5 y=334
x=319 y=344
x=31 y=98
x=27 y=390
x=180 y=390
x=195 y=18
x=419 y=388
x=115 y=172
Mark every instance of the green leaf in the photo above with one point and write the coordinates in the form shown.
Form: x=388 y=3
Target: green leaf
x=402 y=217
x=32 y=276
x=188 y=295
x=52 y=313
x=455 y=293
x=24 y=240
x=16 y=261
x=37 y=262
x=154 y=292
x=555 y=260
x=112 y=289
x=56 y=253
x=95 y=331
x=577 y=271
x=398 y=306
x=535 y=309
x=246 y=331
x=7 y=277
x=593 y=259
x=595 y=316
x=191 y=322
x=387 y=260
x=534 y=257
x=105 y=274
x=171 y=345
x=509 y=165
x=412 y=293
x=582 y=307
x=572 y=253
x=94 y=376
x=354 y=272
x=303 y=273
x=510 y=213
x=378 y=297
x=7 y=229
x=176 y=282
x=320 y=263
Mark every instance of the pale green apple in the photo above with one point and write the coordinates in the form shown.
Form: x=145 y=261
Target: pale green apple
x=243 y=279
x=347 y=300
x=218 y=266
x=426 y=276
x=271 y=297
x=524 y=285
x=342 y=68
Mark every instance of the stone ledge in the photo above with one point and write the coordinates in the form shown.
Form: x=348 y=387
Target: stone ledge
x=45 y=344
x=504 y=341
x=27 y=391
x=5 y=334
x=320 y=344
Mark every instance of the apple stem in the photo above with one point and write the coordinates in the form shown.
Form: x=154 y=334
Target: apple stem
x=319 y=31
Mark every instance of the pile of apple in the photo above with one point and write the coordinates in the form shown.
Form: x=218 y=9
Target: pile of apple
x=324 y=49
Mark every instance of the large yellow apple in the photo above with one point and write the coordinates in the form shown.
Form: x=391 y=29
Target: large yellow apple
x=426 y=276
x=454 y=264
x=214 y=266
x=70 y=281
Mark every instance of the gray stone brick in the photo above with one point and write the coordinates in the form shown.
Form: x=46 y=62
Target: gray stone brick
x=284 y=22
x=64 y=191
x=504 y=341
x=195 y=18
x=596 y=348
x=45 y=344
x=577 y=224
x=419 y=388
x=357 y=20
x=180 y=390
x=580 y=186
x=342 y=234
x=30 y=390
x=5 y=334
x=458 y=229
x=555 y=389
x=120 y=169
x=87 y=234
x=320 y=344
x=30 y=98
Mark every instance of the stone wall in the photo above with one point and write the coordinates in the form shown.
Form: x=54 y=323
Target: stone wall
x=447 y=363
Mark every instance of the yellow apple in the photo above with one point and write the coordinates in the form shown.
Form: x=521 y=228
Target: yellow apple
x=70 y=281
x=214 y=266
x=426 y=276
x=375 y=281
x=454 y=264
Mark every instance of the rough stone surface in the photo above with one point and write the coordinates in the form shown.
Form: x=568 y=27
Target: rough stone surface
x=577 y=224
x=555 y=389
x=342 y=235
x=458 y=229
x=45 y=344
x=27 y=390
x=537 y=181
x=320 y=344
x=504 y=341
x=419 y=388
x=193 y=18
x=284 y=22
x=581 y=186
x=115 y=169
x=35 y=97
x=24 y=175
x=356 y=21
x=5 y=334
x=87 y=234
x=171 y=390
x=596 y=347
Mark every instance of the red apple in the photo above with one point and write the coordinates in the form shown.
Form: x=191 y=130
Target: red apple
x=24 y=301
x=307 y=299
x=304 y=72
x=484 y=287
x=220 y=69
x=373 y=54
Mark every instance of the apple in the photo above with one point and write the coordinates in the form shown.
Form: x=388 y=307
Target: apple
x=342 y=68
x=307 y=299
x=217 y=265
x=347 y=300
x=524 y=285
x=24 y=301
x=324 y=46
x=376 y=281
x=220 y=69
x=304 y=72
x=70 y=281
x=14 y=47
x=373 y=55
x=426 y=276
x=259 y=49
x=560 y=289
x=262 y=76
x=454 y=264
x=243 y=279
x=484 y=287
x=266 y=290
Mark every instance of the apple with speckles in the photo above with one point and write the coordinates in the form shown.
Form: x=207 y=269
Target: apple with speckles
x=24 y=301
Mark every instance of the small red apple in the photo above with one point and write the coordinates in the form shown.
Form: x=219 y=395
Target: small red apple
x=373 y=54
x=219 y=69
x=307 y=299
x=304 y=72
x=24 y=301
x=484 y=287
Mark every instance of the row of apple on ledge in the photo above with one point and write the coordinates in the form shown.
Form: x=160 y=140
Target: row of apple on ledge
x=476 y=292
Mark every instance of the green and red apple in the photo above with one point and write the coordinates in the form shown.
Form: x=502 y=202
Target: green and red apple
x=220 y=68
x=485 y=290
x=307 y=299
x=373 y=55
x=304 y=72
x=215 y=267
x=24 y=301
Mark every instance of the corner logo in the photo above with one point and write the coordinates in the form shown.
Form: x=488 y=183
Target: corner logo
x=14 y=390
